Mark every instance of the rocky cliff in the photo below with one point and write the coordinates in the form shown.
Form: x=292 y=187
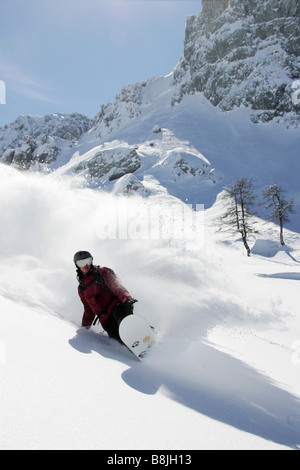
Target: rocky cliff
x=244 y=53
x=38 y=141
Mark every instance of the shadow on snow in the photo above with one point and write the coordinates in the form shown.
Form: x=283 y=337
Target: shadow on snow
x=210 y=382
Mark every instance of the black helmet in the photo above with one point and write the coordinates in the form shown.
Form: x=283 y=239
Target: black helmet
x=80 y=255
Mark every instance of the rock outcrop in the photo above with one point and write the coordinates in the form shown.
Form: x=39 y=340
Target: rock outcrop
x=243 y=53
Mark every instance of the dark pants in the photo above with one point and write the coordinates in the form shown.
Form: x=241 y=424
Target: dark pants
x=115 y=318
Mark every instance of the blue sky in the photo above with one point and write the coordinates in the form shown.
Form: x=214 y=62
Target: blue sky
x=70 y=55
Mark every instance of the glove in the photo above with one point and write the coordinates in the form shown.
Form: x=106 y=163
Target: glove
x=128 y=306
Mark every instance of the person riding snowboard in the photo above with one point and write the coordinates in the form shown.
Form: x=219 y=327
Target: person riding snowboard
x=102 y=295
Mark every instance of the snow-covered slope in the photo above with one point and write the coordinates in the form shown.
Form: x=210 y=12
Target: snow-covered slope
x=193 y=150
x=226 y=368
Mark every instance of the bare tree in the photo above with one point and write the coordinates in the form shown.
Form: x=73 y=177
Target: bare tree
x=275 y=200
x=238 y=216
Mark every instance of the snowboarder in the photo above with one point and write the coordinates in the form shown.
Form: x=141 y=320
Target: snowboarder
x=102 y=295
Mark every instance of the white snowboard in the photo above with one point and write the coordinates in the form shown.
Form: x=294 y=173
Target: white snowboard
x=136 y=334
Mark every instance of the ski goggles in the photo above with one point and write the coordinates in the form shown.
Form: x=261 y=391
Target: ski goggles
x=84 y=262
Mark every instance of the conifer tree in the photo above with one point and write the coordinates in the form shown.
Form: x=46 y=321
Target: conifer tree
x=239 y=214
x=274 y=199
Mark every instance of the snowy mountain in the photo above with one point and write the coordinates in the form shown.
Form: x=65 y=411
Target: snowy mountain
x=225 y=373
x=225 y=111
x=36 y=142
x=237 y=53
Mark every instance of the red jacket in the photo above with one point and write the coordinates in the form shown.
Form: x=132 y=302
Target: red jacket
x=98 y=296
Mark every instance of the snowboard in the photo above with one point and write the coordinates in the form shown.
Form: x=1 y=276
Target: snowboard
x=137 y=335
